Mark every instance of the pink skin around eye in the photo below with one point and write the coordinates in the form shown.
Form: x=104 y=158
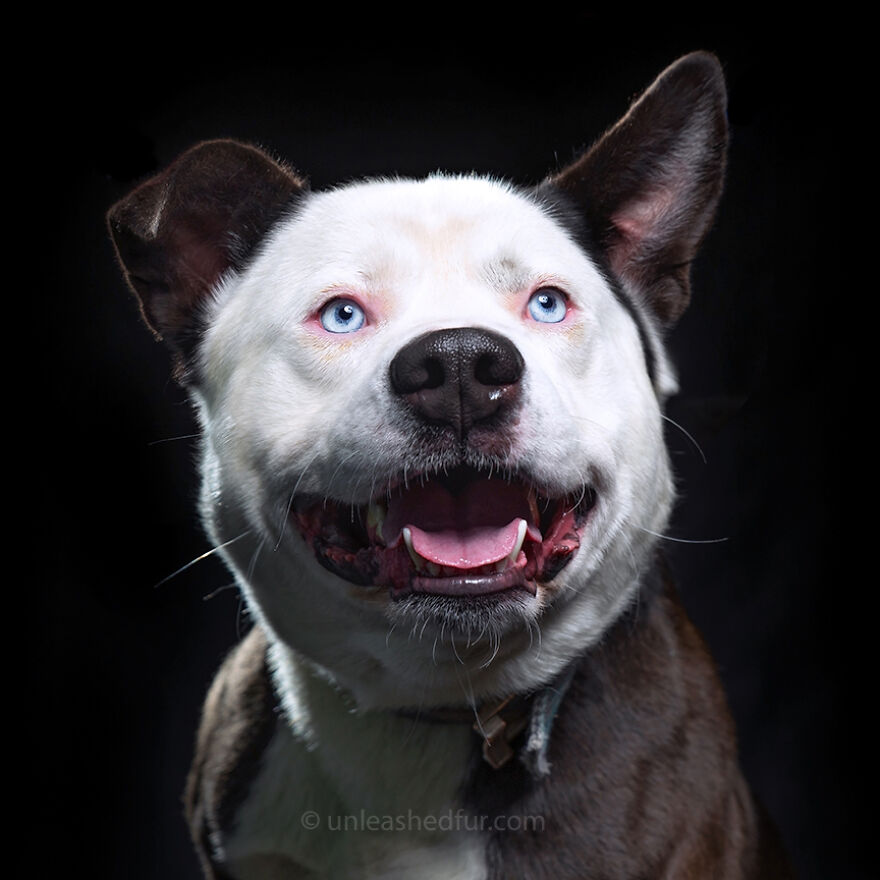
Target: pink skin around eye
x=315 y=324
x=558 y=291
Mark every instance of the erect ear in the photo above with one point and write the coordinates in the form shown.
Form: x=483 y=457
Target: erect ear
x=179 y=232
x=649 y=187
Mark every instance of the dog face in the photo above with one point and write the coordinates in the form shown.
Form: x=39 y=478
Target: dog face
x=431 y=409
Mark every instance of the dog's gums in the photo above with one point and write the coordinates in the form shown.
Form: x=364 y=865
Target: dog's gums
x=464 y=534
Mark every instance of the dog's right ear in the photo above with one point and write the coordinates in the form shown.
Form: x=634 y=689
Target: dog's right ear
x=177 y=234
x=649 y=187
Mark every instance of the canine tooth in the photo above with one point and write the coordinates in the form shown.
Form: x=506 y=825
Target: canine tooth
x=418 y=562
x=375 y=518
x=533 y=504
x=521 y=529
x=510 y=559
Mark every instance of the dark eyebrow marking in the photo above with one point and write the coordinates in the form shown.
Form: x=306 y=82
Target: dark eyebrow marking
x=507 y=275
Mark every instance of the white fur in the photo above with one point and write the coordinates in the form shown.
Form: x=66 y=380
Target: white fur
x=353 y=795
x=284 y=406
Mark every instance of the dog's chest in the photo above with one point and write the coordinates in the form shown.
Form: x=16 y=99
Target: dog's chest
x=343 y=795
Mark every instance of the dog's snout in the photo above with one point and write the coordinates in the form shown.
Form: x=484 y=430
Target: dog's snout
x=458 y=377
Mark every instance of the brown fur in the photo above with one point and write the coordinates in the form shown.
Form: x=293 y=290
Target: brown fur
x=644 y=781
x=238 y=721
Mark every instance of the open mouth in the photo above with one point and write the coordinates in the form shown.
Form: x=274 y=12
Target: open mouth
x=461 y=534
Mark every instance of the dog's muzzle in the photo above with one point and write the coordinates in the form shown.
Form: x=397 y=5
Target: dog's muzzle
x=461 y=529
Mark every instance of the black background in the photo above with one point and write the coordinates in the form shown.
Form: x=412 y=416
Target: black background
x=120 y=661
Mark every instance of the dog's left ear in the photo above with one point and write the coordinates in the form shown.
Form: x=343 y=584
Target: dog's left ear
x=649 y=187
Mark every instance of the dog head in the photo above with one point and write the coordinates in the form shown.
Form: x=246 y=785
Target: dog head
x=431 y=410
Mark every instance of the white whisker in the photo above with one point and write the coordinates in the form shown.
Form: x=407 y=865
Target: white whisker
x=683 y=540
x=454 y=649
x=537 y=627
x=424 y=626
x=333 y=477
x=230 y=586
x=286 y=517
x=290 y=500
x=174 y=439
x=253 y=563
x=496 y=640
x=467 y=690
x=205 y=555
x=686 y=434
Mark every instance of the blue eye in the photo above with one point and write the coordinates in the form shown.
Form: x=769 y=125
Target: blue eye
x=342 y=316
x=547 y=305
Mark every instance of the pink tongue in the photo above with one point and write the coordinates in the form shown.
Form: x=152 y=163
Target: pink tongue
x=466 y=549
x=476 y=526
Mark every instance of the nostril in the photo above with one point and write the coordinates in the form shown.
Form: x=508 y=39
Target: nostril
x=501 y=366
x=435 y=374
x=413 y=370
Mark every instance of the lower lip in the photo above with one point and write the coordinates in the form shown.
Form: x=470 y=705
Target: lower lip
x=465 y=586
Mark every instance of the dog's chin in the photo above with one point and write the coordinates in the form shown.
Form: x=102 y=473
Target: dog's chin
x=463 y=549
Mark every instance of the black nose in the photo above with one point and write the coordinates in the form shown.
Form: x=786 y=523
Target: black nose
x=458 y=377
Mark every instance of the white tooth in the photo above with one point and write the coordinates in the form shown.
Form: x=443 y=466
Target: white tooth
x=418 y=562
x=520 y=537
x=510 y=560
x=376 y=518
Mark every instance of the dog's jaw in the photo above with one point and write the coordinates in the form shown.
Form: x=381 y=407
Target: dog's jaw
x=424 y=650
x=431 y=650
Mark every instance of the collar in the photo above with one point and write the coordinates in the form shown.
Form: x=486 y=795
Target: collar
x=499 y=723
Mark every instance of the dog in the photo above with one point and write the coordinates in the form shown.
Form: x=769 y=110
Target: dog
x=433 y=458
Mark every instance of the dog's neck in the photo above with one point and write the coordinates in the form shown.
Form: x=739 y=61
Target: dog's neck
x=516 y=726
x=499 y=723
x=377 y=758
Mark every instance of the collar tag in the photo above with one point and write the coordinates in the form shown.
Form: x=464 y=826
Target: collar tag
x=499 y=725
